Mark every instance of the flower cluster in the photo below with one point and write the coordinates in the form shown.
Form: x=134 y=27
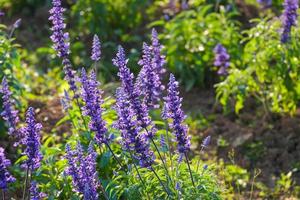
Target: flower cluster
x=34 y=192
x=96 y=49
x=149 y=79
x=92 y=97
x=60 y=40
x=173 y=110
x=59 y=37
x=133 y=140
x=9 y=114
x=289 y=18
x=133 y=93
x=265 y=2
x=221 y=59
x=31 y=140
x=5 y=176
x=82 y=169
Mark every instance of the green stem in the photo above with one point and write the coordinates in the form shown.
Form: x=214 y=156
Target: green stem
x=164 y=164
x=114 y=155
x=139 y=175
x=103 y=191
x=3 y=194
x=169 y=145
x=25 y=184
x=198 y=162
x=160 y=181
x=187 y=161
x=81 y=113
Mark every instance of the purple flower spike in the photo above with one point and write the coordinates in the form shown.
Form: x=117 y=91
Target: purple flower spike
x=221 y=59
x=5 y=176
x=265 y=3
x=148 y=81
x=92 y=97
x=206 y=141
x=173 y=102
x=289 y=18
x=96 y=49
x=2 y=14
x=31 y=140
x=61 y=44
x=158 y=59
x=59 y=37
x=127 y=124
x=34 y=192
x=132 y=93
x=9 y=114
x=17 y=23
x=82 y=169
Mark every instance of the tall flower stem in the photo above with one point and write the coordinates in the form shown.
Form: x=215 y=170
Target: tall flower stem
x=25 y=184
x=104 y=193
x=187 y=161
x=114 y=155
x=3 y=194
x=161 y=158
x=198 y=162
x=160 y=181
x=139 y=175
x=81 y=114
x=169 y=144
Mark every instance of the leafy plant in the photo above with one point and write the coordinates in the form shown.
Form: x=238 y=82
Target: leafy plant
x=269 y=71
x=190 y=38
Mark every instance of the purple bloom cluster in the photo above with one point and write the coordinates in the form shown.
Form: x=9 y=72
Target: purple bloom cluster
x=206 y=141
x=59 y=37
x=92 y=97
x=82 y=169
x=265 y=2
x=173 y=110
x=133 y=93
x=222 y=59
x=127 y=124
x=9 y=114
x=148 y=81
x=5 y=176
x=31 y=140
x=289 y=18
x=34 y=192
x=60 y=40
x=96 y=49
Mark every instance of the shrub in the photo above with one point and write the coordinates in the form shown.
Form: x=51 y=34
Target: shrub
x=190 y=38
x=269 y=71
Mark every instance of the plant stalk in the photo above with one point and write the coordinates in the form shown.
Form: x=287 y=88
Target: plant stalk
x=187 y=161
x=160 y=181
x=25 y=184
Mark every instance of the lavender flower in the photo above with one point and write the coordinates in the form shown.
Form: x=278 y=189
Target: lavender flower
x=148 y=81
x=92 y=98
x=2 y=14
x=96 y=49
x=158 y=59
x=265 y=3
x=289 y=18
x=61 y=44
x=17 y=23
x=82 y=169
x=133 y=93
x=31 y=140
x=173 y=102
x=206 y=141
x=59 y=37
x=163 y=143
x=221 y=59
x=66 y=101
x=34 y=192
x=5 y=176
x=9 y=114
x=127 y=124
